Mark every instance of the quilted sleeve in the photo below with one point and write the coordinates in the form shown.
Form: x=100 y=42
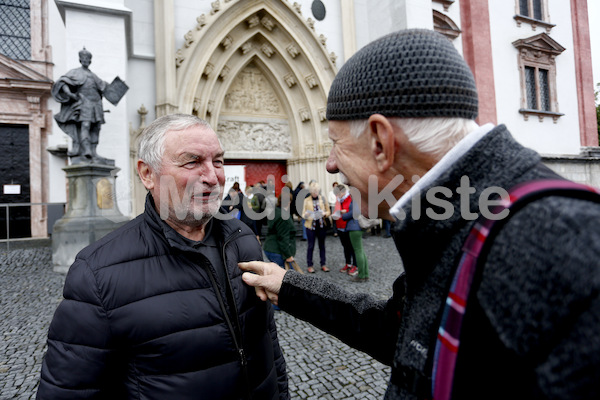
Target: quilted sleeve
x=80 y=359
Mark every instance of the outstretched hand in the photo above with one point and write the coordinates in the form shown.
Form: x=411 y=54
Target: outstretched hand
x=266 y=279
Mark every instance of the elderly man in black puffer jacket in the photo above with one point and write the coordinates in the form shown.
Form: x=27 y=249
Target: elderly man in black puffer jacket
x=157 y=309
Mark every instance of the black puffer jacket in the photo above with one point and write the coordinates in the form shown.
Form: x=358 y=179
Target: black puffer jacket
x=144 y=318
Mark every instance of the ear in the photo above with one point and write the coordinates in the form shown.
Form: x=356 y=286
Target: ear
x=382 y=141
x=146 y=174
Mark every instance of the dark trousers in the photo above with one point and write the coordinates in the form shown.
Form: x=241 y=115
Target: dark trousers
x=319 y=233
x=348 y=249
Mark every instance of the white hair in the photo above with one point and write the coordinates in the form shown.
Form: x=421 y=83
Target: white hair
x=151 y=147
x=435 y=136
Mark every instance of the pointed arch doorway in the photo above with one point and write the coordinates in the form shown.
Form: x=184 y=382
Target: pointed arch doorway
x=259 y=73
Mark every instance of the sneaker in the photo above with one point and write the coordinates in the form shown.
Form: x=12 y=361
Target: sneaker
x=353 y=271
x=345 y=269
x=357 y=279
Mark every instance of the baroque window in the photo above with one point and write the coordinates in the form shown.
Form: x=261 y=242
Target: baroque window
x=534 y=13
x=537 y=67
x=15 y=29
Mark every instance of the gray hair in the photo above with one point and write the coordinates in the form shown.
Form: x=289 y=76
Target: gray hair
x=152 y=140
x=435 y=136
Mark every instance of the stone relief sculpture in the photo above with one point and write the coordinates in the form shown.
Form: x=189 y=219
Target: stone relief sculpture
x=246 y=136
x=80 y=93
x=251 y=93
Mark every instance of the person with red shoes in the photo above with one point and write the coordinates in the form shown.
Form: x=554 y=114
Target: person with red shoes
x=341 y=206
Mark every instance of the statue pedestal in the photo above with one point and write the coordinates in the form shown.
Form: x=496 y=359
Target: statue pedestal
x=92 y=212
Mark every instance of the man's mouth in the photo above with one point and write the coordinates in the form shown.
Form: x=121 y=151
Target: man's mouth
x=206 y=196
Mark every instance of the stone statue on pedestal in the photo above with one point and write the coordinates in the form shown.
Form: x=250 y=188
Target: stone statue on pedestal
x=80 y=93
x=92 y=211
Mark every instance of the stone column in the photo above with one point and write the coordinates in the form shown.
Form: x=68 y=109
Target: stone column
x=92 y=212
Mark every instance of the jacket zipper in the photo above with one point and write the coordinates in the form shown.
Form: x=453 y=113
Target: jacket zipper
x=239 y=341
x=236 y=333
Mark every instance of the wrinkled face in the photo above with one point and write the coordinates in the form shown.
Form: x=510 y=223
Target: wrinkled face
x=351 y=157
x=189 y=187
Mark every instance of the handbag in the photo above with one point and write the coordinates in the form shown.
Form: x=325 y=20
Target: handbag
x=294 y=265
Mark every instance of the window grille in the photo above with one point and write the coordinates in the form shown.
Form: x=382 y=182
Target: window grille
x=531 y=92
x=15 y=29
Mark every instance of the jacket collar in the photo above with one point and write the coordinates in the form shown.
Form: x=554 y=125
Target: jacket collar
x=217 y=231
x=496 y=160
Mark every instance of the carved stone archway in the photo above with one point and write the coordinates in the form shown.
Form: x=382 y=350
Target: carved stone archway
x=259 y=73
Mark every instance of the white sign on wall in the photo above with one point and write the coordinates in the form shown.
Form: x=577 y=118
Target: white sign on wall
x=12 y=189
x=235 y=173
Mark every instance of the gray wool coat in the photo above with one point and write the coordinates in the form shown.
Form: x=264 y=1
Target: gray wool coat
x=531 y=327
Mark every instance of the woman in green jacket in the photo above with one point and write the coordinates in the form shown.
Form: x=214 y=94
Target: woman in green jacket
x=280 y=243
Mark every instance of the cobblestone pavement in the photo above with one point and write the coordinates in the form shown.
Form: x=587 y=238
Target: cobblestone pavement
x=319 y=366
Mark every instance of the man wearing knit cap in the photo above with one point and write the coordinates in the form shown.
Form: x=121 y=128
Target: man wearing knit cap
x=405 y=106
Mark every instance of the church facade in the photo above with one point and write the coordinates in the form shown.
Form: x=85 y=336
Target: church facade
x=259 y=72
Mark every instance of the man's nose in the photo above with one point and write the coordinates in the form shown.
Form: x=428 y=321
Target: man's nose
x=209 y=175
x=331 y=164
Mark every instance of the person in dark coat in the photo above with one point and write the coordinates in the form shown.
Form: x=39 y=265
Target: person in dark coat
x=404 y=106
x=157 y=309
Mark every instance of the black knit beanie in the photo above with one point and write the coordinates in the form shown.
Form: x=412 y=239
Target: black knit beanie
x=411 y=73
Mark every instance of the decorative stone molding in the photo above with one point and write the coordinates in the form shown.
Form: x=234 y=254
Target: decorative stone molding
x=253 y=21
x=196 y=106
x=208 y=70
x=201 y=21
x=332 y=57
x=322 y=39
x=216 y=7
x=34 y=103
x=267 y=23
x=210 y=107
x=323 y=114
x=224 y=72
x=311 y=23
x=311 y=81
x=179 y=58
x=309 y=150
x=267 y=50
x=189 y=38
x=290 y=79
x=238 y=136
x=445 y=25
x=226 y=42
x=304 y=114
x=297 y=7
x=445 y=3
x=534 y=23
x=246 y=47
x=292 y=50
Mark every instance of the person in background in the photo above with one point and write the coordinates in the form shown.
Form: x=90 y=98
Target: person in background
x=343 y=205
x=315 y=210
x=405 y=106
x=360 y=271
x=300 y=193
x=260 y=191
x=332 y=198
x=280 y=242
x=157 y=308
